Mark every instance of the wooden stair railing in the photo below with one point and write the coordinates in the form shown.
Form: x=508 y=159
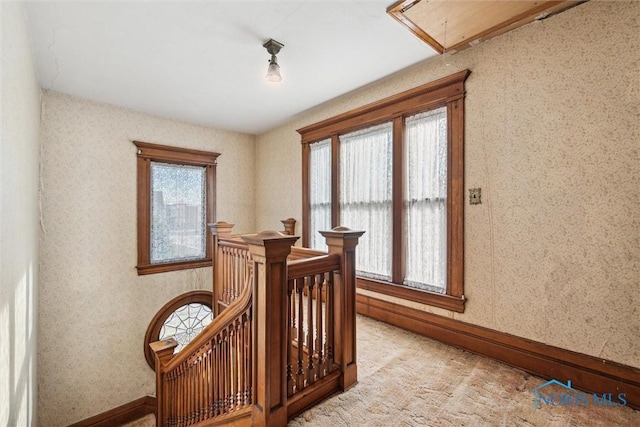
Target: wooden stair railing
x=281 y=343
x=231 y=266
x=231 y=262
x=322 y=321
x=269 y=251
x=311 y=292
x=210 y=381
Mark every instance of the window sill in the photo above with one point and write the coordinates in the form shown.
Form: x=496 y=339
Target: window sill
x=173 y=266
x=447 y=302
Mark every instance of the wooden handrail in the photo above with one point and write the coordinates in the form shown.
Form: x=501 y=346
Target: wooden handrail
x=310 y=266
x=221 y=322
x=212 y=376
x=233 y=242
x=302 y=253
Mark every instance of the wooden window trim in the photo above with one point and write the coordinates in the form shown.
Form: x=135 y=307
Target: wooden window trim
x=335 y=181
x=398 y=243
x=449 y=92
x=421 y=98
x=448 y=302
x=147 y=153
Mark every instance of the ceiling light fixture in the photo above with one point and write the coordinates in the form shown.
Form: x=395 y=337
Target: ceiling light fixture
x=273 y=73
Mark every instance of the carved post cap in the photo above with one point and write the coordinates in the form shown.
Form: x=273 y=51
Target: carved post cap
x=342 y=236
x=164 y=349
x=221 y=228
x=289 y=226
x=270 y=243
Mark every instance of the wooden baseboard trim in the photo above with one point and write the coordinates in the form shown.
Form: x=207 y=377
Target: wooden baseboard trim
x=122 y=414
x=586 y=373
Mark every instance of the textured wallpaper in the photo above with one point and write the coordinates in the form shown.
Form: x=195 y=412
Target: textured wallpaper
x=19 y=148
x=94 y=308
x=552 y=129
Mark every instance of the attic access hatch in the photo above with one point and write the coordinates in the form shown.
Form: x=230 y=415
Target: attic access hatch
x=453 y=25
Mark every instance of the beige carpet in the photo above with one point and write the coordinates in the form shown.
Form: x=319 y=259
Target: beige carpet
x=146 y=421
x=408 y=380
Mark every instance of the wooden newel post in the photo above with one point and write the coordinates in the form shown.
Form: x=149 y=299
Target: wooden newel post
x=218 y=230
x=163 y=351
x=269 y=251
x=342 y=241
x=289 y=226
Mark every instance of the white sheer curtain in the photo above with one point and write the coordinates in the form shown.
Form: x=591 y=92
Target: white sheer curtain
x=366 y=178
x=319 y=192
x=426 y=200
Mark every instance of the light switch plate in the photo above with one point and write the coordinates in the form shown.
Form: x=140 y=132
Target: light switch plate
x=475 y=196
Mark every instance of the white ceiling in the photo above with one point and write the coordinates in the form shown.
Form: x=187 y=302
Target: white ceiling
x=204 y=62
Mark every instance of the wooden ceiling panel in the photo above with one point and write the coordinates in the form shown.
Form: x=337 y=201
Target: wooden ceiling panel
x=453 y=25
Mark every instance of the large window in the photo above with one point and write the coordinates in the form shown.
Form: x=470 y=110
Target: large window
x=395 y=169
x=425 y=207
x=176 y=191
x=365 y=196
x=320 y=192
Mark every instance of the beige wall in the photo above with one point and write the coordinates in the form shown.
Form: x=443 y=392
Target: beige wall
x=552 y=253
x=552 y=131
x=94 y=308
x=19 y=147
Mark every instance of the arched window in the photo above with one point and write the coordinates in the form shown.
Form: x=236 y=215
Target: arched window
x=182 y=318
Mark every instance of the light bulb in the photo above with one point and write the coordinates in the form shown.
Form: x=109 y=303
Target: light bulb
x=273 y=74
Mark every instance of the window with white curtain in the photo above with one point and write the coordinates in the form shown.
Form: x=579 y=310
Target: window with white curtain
x=425 y=200
x=366 y=192
x=366 y=177
x=399 y=166
x=320 y=193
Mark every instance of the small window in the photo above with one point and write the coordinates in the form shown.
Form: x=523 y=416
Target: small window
x=184 y=323
x=178 y=205
x=182 y=318
x=176 y=191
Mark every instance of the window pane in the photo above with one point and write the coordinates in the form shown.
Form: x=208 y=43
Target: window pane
x=177 y=212
x=320 y=192
x=426 y=200
x=365 y=196
x=185 y=323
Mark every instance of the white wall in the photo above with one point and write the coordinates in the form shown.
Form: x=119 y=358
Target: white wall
x=551 y=137
x=19 y=142
x=94 y=308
